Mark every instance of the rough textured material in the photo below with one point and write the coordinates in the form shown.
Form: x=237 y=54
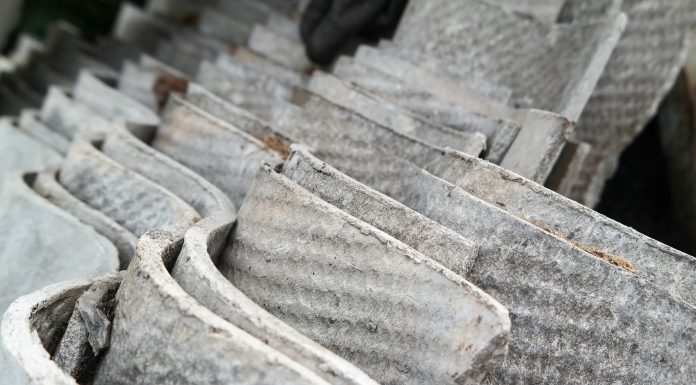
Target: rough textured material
x=47 y=185
x=254 y=126
x=98 y=96
x=657 y=263
x=198 y=276
x=543 y=10
x=219 y=152
x=544 y=131
x=437 y=81
x=349 y=137
x=500 y=133
x=73 y=354
x=363 y=294
x=639 y=74
x=44 y=245
x=83 y=340
x=422 y=234
x=207 y=101
x=95 y=309
x=327 y=127
x=251 y=90
x=31 y=329
x=279 y=48
x=388 y=115
x=127 y=197
x=556 y=292
x=200 y=194
x=592 y=301
x=20 y=152
x=161 y=335
x=551 y=67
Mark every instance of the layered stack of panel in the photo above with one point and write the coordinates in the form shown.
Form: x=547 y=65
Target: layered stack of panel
x=191 y=201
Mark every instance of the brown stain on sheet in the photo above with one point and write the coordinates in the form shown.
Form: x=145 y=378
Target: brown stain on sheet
x=166 y=84
x=614 y=259
x=274 y=143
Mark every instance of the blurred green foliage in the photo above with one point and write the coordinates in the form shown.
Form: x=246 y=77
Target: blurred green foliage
x=92 y=17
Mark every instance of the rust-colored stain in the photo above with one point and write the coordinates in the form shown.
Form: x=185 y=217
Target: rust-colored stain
x=614 y=259
x=274 y=143
x=166 y=84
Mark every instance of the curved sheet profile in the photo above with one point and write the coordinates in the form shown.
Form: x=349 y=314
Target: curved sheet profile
x=47 y=185
x=30 y=330
x=389 y=115
x=657 y=263
x=42 y=244
x=552 y=67
x=394 y=313
x=127 y=197
x=190 y=187
x=20 y=152
x=415 y=230
x=561 y=296
x=162 y=335
x=219 y=152
x=197 y=274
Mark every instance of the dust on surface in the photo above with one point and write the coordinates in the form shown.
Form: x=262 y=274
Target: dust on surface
x=614 y=259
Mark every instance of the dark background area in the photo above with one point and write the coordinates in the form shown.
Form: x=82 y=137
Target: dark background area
x=639 y=194
x=654 y=188
x=92 y=17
